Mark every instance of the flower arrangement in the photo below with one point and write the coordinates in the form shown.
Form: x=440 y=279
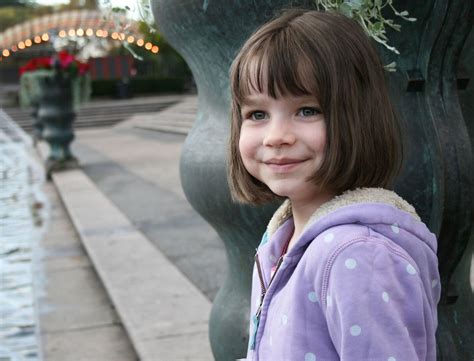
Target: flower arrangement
x=63 y=61
x=62 y=65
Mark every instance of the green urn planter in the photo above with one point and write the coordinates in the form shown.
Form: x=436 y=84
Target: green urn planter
x=37 y=125
x=56 y=115
x=437 y=177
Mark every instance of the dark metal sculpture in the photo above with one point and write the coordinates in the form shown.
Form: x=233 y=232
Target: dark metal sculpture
x=56 y=114
x=37 y=124
x=438 y=173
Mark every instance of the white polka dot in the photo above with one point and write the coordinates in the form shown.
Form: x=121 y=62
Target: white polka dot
x=355 y=330
x=385 y=296
x=350 y=263
x=391 y=358
x=284 y=263
x=312 y=297
x=284 y=319
x=329 y=237
x=434 y=283
x=329 y=300
x=395 y=228
x=310 y=357
x=257 y=302
x=272 y=258
x=411 y=270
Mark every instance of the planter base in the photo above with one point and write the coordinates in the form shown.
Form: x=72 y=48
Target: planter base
x=55 y=165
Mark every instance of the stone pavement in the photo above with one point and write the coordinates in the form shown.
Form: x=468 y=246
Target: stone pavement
x=151 y=267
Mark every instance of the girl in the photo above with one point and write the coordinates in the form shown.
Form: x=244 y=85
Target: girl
x=346 y=270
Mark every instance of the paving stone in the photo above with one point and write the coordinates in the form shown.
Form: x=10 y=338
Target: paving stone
x=77 y=320
x=104 y=343
x=152 y=297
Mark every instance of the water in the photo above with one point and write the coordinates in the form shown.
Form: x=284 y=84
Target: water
x=23 y=211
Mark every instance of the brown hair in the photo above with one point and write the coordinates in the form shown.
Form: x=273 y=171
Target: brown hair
x=329 y=56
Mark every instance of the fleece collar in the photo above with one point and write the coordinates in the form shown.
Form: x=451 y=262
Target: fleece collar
x=359 y=195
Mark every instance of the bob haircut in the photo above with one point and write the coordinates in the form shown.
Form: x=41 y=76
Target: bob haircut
x=306 y=52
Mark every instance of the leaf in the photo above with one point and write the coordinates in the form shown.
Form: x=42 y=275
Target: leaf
x=346 y=10
x=392 y=67
x=403 y=13
x=355 y=4
x=378 y=26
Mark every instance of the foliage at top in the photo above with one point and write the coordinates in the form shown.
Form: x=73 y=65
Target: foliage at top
x=368 y=13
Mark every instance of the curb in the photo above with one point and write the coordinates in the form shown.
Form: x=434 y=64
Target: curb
x=165 y=315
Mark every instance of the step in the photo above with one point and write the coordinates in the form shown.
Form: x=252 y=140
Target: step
x=178 y=118
x=164 y=314
x=23 y=114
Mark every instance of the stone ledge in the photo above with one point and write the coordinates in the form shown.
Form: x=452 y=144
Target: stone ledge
x=154 y=300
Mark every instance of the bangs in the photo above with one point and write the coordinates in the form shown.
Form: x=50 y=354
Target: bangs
x=278 y=67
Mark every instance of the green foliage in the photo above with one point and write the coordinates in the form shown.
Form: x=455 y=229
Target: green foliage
x=368 y=13
x=10 y=16
x=139 y=85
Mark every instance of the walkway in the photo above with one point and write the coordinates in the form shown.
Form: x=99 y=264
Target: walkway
x=159 y=263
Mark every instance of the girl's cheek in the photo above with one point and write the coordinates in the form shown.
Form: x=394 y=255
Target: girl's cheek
x=247 y=149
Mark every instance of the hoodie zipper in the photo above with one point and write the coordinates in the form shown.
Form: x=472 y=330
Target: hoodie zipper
x=256 y=319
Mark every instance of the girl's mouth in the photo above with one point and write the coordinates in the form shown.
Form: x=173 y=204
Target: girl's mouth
x=283 y=165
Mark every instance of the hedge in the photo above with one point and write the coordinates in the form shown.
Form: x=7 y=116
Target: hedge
x=138 y=85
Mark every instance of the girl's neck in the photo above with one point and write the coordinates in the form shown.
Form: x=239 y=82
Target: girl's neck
x=302 y=210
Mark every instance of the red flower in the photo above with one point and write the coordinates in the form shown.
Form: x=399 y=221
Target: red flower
x=67 y=63
x=36 y=64
x=65 y=59
x=83 y=68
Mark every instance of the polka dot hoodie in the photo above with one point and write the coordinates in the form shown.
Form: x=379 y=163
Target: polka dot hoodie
x=360 y=284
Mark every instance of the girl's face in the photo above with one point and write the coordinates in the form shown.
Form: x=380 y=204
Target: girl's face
x=282 y=143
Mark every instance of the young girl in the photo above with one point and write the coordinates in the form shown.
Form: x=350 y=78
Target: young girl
x=346 y=270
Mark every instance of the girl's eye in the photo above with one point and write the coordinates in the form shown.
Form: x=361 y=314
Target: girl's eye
x=258 y=115
x=309 y=111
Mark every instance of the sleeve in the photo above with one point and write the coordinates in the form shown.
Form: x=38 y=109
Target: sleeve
x=375 y=305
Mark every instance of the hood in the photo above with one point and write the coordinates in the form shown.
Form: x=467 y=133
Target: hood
x=379 y=209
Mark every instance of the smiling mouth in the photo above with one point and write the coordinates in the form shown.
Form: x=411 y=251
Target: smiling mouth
x=283 y=165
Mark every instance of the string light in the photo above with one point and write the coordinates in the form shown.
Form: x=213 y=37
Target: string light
x=80 y=32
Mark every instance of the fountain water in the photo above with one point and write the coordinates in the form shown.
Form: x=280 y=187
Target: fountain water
x=23 y=213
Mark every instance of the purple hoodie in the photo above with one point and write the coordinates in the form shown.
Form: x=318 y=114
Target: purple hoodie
x=361 y=284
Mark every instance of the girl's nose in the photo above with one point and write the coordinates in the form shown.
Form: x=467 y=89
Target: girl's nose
x=279 y=133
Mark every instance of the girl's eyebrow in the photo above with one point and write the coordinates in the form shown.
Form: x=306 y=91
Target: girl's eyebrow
x=253 y=100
